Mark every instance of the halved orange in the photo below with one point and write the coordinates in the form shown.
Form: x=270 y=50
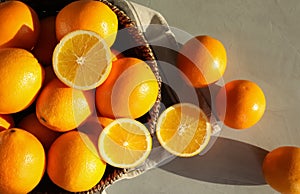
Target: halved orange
x=82 y=60
x=125 y=143
x=183 y=129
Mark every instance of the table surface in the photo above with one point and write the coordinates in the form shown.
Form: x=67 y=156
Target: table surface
x=263 y=45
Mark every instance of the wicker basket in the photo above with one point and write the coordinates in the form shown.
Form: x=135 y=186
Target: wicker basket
x=142 y=51
x=166 y=95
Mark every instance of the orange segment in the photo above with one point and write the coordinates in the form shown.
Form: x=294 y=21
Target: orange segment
x=183 y=130
x=82 y=60
x=125 y=143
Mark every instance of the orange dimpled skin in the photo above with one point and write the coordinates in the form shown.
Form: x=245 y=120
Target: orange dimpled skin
x=73 y=162
x=129 y=91
x=202 y=60
x=281 y=169
x=62 y=108
x=21 y=79
x=22 y=161
x=87 y=15
x=19 y=25
x=240 y=104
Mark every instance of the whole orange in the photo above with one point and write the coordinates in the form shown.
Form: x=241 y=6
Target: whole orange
x=281 y=169
x=240 y=104
x=87 y=15
x=46 y=42
x=62 y=108
x=6 y=122
x=74 y=163
x=19 y=25
x=130 y=90
x=202 y=60
x=22 y=161
x=45 y=135
x=21 y=79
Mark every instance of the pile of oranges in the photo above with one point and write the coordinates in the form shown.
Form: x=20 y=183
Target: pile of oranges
x=80 y=100
x=61 y=83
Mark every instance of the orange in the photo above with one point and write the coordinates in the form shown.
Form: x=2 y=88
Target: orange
x=22 y=161
x=281 y=169
x=125 y=143
x=240 y=104
x=62 y=108
x=73 y=162
x=183 y=130
x=6 y=122
x=45 y=135
x=202 y=60
x=46 y=42
x=21 y=79
x=19 y=25
x=82 y=60
x=87 y=15
x=130 y=90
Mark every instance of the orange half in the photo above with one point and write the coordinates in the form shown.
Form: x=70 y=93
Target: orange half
x=183 y=130
x=82 y=60
x=125 y=143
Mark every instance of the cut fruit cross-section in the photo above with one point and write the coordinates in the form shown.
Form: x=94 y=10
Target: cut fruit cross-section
x=125 y=143
x=183 y=130
x=82 y=60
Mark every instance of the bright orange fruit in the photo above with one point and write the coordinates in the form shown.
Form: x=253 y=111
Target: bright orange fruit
x=281 y=169
x=62 y=108
x=202 y=60
x=130 y=90
x=240 y=104
x=73 y=162
x=19 y=25
x=87 y=15
x=21 y=79
x=22 y=163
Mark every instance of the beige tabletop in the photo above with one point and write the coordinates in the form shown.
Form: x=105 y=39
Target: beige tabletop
x=263 y=45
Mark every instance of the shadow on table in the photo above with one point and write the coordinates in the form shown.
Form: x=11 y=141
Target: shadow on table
x=227 y=162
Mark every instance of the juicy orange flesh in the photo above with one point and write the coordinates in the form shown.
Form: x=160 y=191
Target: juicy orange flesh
x=125 y=144
x=185 y=131
x=78 y=60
